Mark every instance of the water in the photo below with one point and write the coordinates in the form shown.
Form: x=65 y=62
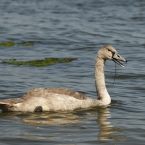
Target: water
x=74 y=29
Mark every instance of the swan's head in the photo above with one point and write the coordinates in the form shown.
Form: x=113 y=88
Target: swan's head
x=109 y=52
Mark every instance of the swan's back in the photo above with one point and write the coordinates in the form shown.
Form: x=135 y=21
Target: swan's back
x=37 y=92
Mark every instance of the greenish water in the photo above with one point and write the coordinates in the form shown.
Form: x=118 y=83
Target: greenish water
x=74 y=29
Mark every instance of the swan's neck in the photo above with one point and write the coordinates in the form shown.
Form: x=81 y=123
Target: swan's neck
x=100 y=81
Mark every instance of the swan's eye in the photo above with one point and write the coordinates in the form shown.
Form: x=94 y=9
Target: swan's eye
x=108 y=49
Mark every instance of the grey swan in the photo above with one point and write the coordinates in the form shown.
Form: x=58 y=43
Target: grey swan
x=62 y=99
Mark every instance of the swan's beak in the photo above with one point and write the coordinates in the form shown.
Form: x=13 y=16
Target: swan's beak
x=117 y=58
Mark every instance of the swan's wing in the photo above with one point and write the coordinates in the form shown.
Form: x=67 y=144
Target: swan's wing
x=44 y=96
x=63 y=91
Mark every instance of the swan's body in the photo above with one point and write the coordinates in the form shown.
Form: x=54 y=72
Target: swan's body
x=55 y=99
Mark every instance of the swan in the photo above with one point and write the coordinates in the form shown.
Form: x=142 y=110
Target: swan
x=62 y=99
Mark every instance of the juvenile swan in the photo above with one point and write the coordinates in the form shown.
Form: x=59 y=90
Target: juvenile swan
x=56 y=99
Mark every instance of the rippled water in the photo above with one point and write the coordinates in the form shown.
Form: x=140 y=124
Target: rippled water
x=74 y=29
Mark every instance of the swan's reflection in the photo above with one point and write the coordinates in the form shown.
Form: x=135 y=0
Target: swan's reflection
x=106 y=130
x=105 y=127
x=44 y=118
x=53 y=118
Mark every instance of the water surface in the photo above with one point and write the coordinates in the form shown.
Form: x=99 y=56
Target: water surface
x=74 y=29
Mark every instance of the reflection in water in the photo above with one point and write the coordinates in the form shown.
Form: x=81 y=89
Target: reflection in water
x=44 y=118
x=105 y=127
x=106 y=130
x=50 y=119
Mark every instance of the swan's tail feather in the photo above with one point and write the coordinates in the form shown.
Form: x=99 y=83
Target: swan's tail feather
x=5 y=107
x=9 y=104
